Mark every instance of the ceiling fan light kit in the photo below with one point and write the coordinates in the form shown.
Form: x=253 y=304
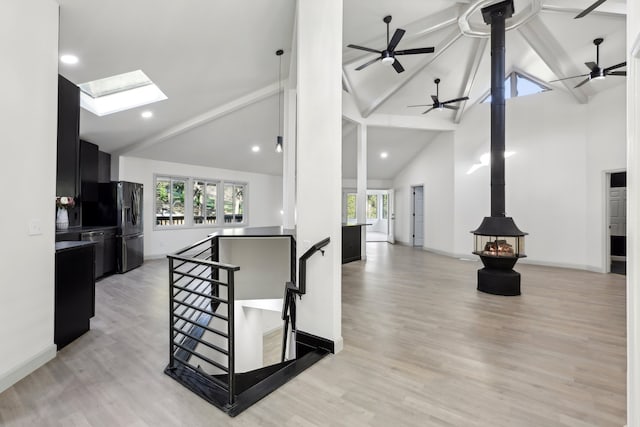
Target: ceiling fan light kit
x=597 y=73
x=388 y=55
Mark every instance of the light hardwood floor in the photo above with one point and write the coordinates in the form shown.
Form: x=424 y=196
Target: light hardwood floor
x=422 y=348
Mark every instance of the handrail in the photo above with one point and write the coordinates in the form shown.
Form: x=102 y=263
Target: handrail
x=291 y=290
x=302 y=281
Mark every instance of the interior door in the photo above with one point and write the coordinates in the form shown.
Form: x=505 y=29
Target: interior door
x=418 y=216
x=618 y=222
x=391 y=223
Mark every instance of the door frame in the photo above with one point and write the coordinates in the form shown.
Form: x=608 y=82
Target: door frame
x=412 y=214
x=391 y=215
x=606 y=232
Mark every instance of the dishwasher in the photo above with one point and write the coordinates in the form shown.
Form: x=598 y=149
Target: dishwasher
x=105 y=251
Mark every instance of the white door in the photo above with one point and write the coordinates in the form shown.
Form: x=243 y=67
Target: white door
x=391 y=223
x=617 y=219
x=418 y=216
x=618 y=211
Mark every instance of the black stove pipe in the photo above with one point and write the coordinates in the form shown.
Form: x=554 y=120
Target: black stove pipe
x=495 y=15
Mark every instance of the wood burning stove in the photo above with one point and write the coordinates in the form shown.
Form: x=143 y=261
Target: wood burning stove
x=498 y=241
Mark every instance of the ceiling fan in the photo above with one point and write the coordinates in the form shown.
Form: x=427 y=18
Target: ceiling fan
x=437 y=104
x=596 y=71
x=589 y=9
x=389 y=54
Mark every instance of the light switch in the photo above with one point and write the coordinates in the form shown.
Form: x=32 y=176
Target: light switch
x=35 y=227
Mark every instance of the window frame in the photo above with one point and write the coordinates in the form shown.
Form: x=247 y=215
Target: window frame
x=189 y=221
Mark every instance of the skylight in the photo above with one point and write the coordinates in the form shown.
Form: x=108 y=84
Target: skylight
x=517 y=84
x=119 y=93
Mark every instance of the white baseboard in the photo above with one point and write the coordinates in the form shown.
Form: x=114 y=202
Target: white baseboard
x=28 y=366
x=338 y=345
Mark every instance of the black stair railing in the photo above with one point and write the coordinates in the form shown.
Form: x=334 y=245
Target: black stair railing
x=292 y=291
x=201 y=312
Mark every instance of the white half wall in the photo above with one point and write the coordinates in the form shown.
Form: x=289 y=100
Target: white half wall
x=29 y=36
x=264 y=201
x=432 y=168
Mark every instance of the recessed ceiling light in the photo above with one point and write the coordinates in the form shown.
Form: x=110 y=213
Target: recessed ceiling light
x=384 y=155
x=146 y=114
x=255 y=148
x=69 y=59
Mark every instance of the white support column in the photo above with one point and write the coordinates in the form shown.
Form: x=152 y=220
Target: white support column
x=361 y=197
x=633 y=214
x=289 y=160
x=319 y=163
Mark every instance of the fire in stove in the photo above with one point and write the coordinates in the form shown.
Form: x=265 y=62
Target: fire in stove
x=498 y=248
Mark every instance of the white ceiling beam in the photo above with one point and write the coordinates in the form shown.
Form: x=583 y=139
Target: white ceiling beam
x=414 y=31
x=201 y=119
x=351 y=113
x=549 y=50
x=479 y=47
x=410 y=74
x=609 y=8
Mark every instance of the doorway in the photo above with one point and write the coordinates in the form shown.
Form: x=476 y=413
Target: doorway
x=417 y=215
x=617 y=222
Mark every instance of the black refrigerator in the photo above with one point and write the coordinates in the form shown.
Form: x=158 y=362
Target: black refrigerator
x=120 y=204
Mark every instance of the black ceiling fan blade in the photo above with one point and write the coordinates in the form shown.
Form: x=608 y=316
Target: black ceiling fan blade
x=398 y=66
x=589 y=9
x=428 y=110
x=617 y=73
x=435 y=99
x=464 y=98
x=591 y=65
x=366 y=64
x=567 y=78
x=450 y=107
x=421 y=105
x=613 y=67
x=415 y=51
x=397 y=36
x=368 y=49
x=582 y=82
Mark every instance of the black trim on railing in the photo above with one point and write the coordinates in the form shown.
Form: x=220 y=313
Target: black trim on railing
x=302 y=281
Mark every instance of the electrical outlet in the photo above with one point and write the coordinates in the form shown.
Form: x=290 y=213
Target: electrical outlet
x=35 y=227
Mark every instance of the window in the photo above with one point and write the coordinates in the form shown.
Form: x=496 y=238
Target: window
x=233 y=203
x=372 y=206
x=204 y=202
x=170 y=203
x=351 y=207
x=385 y=206
x=517 y=84
x=174 y=206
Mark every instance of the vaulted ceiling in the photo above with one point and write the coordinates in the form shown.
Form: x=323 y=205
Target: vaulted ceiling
x=216 y=63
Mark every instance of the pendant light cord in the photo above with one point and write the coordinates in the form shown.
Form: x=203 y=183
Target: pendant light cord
x=280 y=96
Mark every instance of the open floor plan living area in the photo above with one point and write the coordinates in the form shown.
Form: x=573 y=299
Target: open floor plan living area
x=321 y=213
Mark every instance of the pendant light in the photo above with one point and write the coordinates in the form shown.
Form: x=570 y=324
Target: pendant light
x=279 y=52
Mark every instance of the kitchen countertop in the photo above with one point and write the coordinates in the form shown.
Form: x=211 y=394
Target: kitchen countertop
x=254 y=232
x=86 y=228
x=67 y=246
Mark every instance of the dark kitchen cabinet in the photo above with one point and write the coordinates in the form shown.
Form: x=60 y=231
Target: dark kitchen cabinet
x=74 y=291
x=104 y=167
x=89 y=155
x=68 y=146
x=68 y=139
x=351 y=243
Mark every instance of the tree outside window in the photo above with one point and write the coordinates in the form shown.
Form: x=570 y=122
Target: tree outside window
x=351 y=206
x=372 y=206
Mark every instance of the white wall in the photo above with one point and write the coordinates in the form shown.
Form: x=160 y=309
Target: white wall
x=433 y=168
x=29 y=44
x=264 y=201
x=633 y=214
